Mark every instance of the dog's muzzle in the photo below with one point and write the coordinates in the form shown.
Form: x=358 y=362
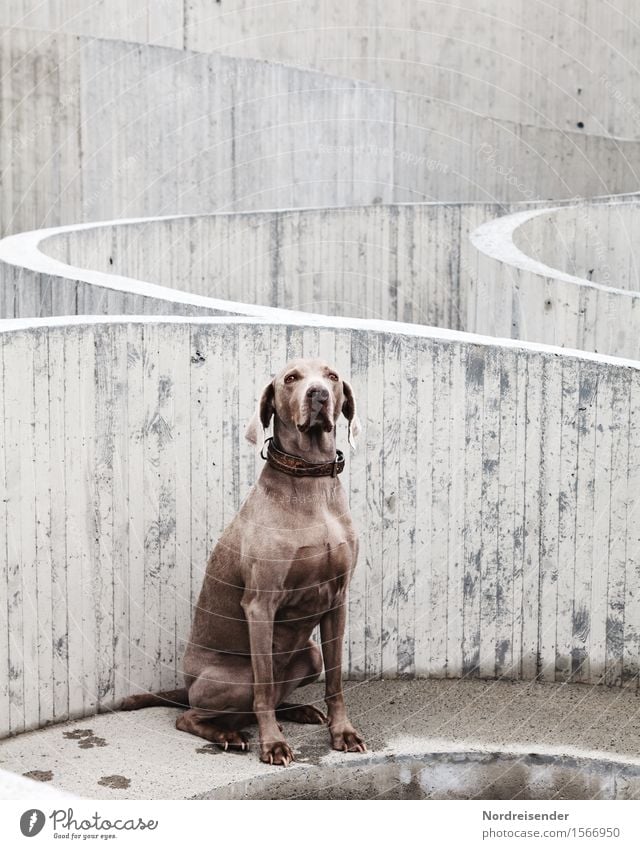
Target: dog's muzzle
x=318 y=409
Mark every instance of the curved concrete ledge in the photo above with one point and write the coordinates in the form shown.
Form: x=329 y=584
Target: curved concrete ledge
x=410 y=263
x=405 y=262
x=543 y=304
x=597 y=243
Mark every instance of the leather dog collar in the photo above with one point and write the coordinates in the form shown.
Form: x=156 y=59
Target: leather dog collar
x=291 y=464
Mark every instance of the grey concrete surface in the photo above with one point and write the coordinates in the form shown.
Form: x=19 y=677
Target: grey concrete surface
x=226 y=133
x=552 y=63
x=14 y=786
x=141 y=755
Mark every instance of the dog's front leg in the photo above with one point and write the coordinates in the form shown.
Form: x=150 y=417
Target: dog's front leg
x=260 y=609
x=344 y=737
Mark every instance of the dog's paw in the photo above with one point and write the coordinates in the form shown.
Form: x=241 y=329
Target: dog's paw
x=347 y=740
x=278 y=753
x=233 y=740
x=224 y=737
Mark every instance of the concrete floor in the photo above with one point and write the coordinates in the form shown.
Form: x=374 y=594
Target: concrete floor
x=140 y=755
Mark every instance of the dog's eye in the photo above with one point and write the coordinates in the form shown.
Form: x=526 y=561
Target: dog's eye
x=333 y=376
x=290 y=378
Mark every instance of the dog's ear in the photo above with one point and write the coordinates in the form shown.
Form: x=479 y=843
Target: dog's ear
x=264 y=412
x=349 y=411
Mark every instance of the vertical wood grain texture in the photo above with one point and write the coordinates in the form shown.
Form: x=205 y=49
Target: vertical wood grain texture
x=101 y=491
x=631 y=608
x=453 y=442
x=407 y=515
x=567 y=519
x=490 y=584
x=475 y=509
x=423 y=564
x=508 y=429
x=533 y=382
x=445 y=657
x=358 y=466
x=134 y=480
x=621 y=498
x=121 y=515
x=202 y=355
x=19 y=559
x=57 y=547
x=585 y=520
x=155 y=433
x=373 y=563
x=5 y=654
x=389 y=449
x=550 y=454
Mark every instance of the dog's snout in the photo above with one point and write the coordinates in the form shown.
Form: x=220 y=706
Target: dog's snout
x=319 y=394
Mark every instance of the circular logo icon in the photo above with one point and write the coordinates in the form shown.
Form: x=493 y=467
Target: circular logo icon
x=32 y=822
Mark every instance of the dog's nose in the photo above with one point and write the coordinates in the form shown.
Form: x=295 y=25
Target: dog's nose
x=318 y=394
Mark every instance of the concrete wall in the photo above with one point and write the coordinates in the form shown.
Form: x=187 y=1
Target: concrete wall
x=494 y=492
x=531 y=300
x=542 y=63
x=98 y=129
x=513 y=469
x=427 y=264
x=95 y=129
x=401 y=263
x=413 y=263
x=597 y=243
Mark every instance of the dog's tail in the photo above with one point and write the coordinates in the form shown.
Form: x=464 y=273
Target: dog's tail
x=167 y=698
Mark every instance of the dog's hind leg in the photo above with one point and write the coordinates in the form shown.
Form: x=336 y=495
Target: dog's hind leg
x=221 y=697
x=168 y=698
x=221 y=702
x=213 y=729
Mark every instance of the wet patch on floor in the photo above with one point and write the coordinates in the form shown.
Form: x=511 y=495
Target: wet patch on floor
x=209 y=749
x=311 y=750
x=216 y=749
x=39 y=774
x=86 y=738
x=313 y=746
x=115 y=782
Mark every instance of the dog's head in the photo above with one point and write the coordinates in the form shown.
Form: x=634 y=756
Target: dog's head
x=306 y=394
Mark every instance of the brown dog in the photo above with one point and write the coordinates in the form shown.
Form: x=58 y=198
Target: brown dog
x=281 y=566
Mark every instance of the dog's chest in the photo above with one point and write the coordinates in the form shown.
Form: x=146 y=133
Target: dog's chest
x=317 y=576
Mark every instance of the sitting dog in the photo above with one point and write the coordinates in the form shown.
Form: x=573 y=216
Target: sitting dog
x=281 y=567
